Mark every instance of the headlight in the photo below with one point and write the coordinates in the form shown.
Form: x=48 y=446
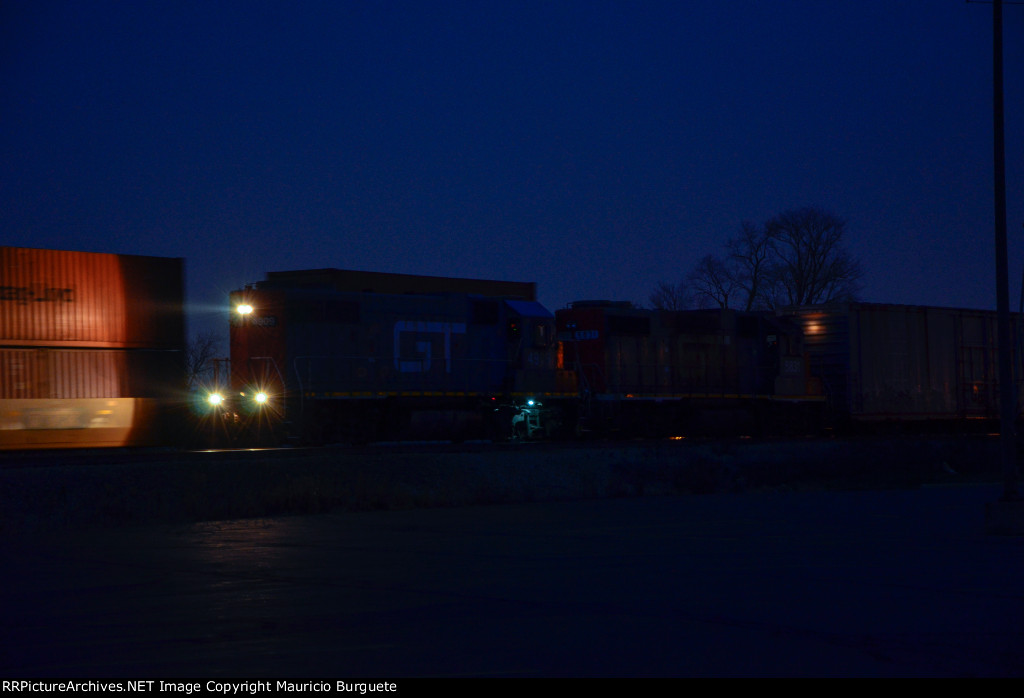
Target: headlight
x=244 y=309
x=261 y=398
x=215 y=398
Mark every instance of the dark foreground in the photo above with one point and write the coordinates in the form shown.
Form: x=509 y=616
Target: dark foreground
x=50 y=492
x=863 y=583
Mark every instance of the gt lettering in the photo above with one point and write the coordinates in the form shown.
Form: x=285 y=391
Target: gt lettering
x=424 y=347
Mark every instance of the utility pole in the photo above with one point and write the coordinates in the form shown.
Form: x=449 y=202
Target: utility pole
x=1007 y=392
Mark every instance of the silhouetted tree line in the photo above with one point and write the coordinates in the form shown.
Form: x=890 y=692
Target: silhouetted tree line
x=795 y=258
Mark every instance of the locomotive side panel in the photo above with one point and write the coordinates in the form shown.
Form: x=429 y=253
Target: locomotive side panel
x=705 y=361
x=368 y=345
x=665 y=372
x=625 y=351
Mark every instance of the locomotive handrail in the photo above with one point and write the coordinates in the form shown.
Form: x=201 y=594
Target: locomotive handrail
x=273 y=362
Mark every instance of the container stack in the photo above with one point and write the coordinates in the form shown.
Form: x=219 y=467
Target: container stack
x=91 y=348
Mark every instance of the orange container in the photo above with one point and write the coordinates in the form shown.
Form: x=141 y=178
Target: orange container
x=83 y=299
x=91 y=349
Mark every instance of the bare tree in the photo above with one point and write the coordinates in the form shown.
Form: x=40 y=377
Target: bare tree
x=713 y=282
x=796 y=258
x=751 y=256
x=200 y=353
x=666 y=296
x=811 y=264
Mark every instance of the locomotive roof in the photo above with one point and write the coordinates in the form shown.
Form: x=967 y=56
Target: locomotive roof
x=380 y=282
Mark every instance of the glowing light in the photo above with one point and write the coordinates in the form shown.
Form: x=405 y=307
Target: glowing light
x=215 y=398
x=261 y=397
x=244 y=309
x=530 y=403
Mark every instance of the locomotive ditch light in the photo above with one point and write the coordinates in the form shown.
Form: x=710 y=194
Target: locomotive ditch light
x=258 y=398
x=215 y=399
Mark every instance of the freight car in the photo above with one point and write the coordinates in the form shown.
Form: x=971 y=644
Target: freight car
x=334 y=355
x=904 y=364
x=658 y=373
x=91 y=348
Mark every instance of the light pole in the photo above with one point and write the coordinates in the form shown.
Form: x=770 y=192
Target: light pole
x=1007 y=394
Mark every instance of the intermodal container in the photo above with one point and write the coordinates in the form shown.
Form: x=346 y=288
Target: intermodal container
x=82 y=299
x=91 y=348
x=901 y=362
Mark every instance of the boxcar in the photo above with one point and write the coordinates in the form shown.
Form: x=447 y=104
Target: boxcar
x=905 y=363
x=91 y=348
x=332 y=355
x=661 y=372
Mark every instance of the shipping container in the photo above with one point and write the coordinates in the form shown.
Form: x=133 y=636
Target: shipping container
x=84 y=299
x=91 y=349
x=900 y=362
x=56 y=373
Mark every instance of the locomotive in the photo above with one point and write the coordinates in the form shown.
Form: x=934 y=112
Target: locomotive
x=659 y=372
x=331 y=355
x=334 y=355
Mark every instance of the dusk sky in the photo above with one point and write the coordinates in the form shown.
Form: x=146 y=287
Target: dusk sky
x=593 y=147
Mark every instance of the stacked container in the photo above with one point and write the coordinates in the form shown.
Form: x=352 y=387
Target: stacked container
x=91 y=348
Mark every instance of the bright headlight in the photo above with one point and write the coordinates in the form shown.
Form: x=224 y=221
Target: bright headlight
x=261 y=398
x=215 y=398
x=244 y=309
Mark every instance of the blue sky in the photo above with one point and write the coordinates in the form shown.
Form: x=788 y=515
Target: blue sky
x=593 y=147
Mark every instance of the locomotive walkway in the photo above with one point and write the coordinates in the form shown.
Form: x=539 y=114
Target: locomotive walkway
x=824 y=583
